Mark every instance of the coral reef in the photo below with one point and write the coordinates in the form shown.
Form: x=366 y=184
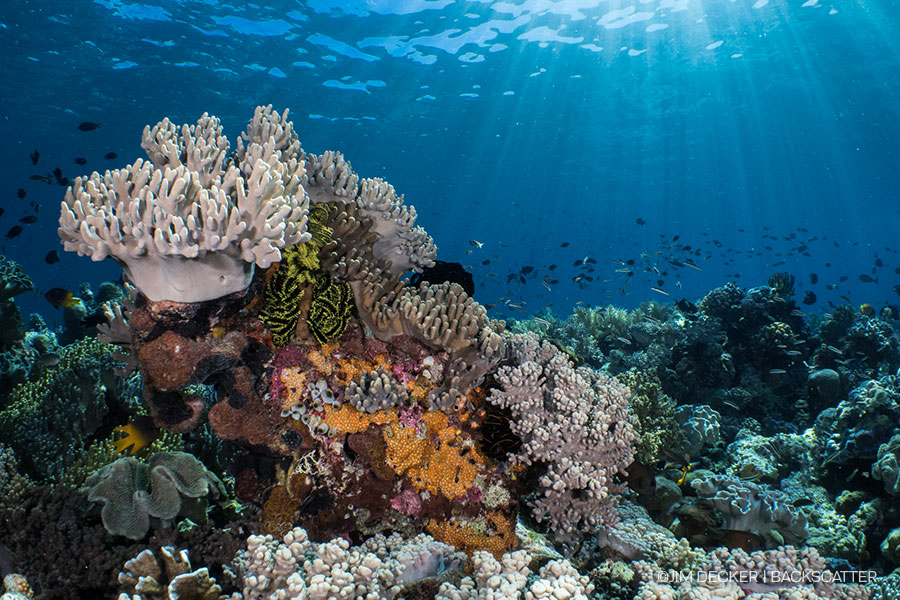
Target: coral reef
x=391 y=567
x=745 y=506
x=887 y=466
x=290 y=351
x=16 y=354
x=853 y=431
x=357 y=399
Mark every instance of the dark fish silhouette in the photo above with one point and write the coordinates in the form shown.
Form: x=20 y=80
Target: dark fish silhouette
x=44 y=178
x=15 y=231
x=686 y=306
x=52 y=257
x=49 y=360
x=813 y=278
x=34 y=156
x=20 y=193
x=564 y=245
x=88 y=126
x=809 y=298
x=867 y=278
x=640 y=221
x=29 y=220
x=641 y=479
x=60 y=180
x=80 y=161
x=110 y=156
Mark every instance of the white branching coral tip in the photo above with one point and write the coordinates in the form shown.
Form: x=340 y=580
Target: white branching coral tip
x=191 y=223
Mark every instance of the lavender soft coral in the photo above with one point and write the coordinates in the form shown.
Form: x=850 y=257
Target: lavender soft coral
x=575 y=421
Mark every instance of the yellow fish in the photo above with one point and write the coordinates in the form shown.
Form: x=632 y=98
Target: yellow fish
x=139 y=434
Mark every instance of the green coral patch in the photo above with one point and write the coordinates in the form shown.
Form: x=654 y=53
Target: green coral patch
x=49 y=417
x=329 y=311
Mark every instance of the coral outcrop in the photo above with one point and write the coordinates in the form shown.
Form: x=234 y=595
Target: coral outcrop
x=362 y=404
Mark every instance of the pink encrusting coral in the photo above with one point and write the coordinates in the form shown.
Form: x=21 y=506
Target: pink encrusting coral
x=408 y=502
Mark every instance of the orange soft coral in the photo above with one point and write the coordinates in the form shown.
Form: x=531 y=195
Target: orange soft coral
x=279 y=512
x=494 y=532
x=349 y=420
x=435 y=458
x=294 y=380
x=438 y=460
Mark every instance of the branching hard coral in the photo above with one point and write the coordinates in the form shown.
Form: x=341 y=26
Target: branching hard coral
x=637 y=537
x=295 y=568
x=655 y=424
x=190 y=224
x=509 y=577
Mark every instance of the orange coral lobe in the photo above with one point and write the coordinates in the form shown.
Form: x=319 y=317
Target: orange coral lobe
x=497 y=535
x=350 y=420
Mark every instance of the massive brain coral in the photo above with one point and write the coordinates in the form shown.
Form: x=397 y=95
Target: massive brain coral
x=362 y=403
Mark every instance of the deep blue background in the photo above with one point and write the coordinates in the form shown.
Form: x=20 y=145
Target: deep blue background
x=521 y=125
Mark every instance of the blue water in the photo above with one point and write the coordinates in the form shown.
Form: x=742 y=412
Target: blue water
x=521 y=125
